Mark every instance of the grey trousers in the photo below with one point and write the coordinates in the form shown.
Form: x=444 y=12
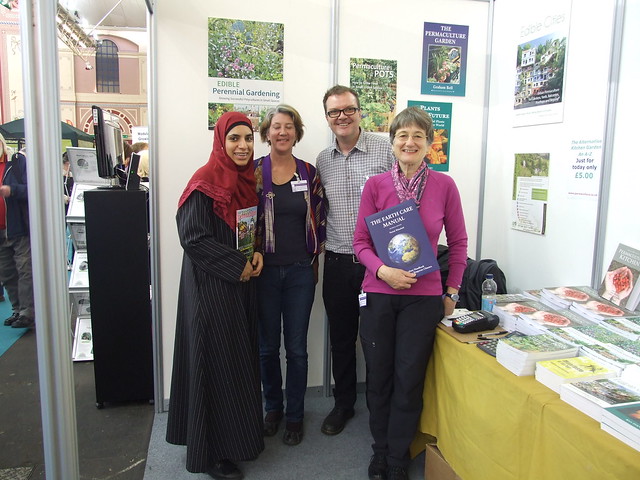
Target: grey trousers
x=15 y=273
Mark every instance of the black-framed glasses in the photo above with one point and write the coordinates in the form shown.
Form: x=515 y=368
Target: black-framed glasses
x=347 y=111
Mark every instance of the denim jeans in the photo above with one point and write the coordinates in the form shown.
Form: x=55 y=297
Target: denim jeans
x=285 y=298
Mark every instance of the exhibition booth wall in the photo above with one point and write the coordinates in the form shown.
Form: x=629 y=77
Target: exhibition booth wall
x=356 y=29
x=582 y=221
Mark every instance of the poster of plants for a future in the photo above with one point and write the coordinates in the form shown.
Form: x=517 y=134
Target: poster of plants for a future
x=376 y=82
x=438 y=156
x=245 y=68
x=540 y=64
x=444 y=59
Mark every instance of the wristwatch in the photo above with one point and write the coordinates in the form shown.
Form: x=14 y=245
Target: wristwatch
x=453 y=296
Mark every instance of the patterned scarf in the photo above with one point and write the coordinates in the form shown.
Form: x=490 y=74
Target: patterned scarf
x=413 y=187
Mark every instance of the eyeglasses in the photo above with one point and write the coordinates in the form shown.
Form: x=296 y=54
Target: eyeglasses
x=347 y=111
x=416 y=137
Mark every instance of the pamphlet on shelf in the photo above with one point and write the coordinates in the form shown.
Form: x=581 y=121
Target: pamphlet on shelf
x=75 y=213
x=401 y=240
x=246 y=219
x=84 y=166
x=83 y=340
x=621 y=283
x=79 y=279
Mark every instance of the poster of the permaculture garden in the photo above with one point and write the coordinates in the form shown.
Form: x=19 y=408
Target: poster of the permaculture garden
x=245 y=68
x=540 y=65
x=444 y=59
x=438 y=156
x=375 y=81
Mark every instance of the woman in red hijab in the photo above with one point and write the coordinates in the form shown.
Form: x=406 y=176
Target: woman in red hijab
x=215 y=404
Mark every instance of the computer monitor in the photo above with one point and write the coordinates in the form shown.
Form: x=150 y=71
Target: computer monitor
x=109 y=144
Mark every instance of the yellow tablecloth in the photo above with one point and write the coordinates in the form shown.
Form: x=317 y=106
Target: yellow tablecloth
x=493 y=425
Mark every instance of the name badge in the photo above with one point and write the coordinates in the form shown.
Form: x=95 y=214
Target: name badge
x=362 y=298
x=299 y=186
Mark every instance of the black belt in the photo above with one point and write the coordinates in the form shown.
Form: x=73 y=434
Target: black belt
x=342 y=256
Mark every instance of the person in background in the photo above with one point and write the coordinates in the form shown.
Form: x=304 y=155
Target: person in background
x=139 y=146
x=344 y=166
x=15 y=242
x=401 y=311
x=215 y=405
x=67 y=181
x=291 y=236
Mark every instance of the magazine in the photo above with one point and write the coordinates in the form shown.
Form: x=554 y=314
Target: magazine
x=246 y=219
x=621 y=283
x=401 y=240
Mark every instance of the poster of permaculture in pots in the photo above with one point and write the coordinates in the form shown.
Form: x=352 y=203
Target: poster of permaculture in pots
x=376 y=81
x=245 y=68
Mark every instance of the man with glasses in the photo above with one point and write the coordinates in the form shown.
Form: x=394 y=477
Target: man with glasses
x=344 y=167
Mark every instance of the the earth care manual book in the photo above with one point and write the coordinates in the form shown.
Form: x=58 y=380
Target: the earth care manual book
x=401 y=240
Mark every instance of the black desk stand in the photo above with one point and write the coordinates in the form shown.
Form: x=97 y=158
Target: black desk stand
x=118 y=256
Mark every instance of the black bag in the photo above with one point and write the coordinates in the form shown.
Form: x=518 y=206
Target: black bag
x=471 y=288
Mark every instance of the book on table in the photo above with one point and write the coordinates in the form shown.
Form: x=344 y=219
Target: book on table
x=611 y=356
x=628 y=327
x=553 y=373
x=592 y=396
x=621 y=282
x=519 y=354
x=623 y=422
x=400 y=239
x=583 y=300
x=533 y=317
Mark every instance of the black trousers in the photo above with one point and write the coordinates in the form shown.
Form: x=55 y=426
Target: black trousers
x=341 y=285
x=397 y=334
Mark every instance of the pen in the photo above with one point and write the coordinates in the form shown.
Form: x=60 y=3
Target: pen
x=483 y=335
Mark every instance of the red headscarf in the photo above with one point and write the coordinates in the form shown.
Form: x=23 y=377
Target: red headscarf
x=231 y=187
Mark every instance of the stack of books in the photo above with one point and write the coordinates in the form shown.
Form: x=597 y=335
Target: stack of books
x=553 y=373
x=520 y=354
x=592 y=397
x=623 y=422
x=583 y=300
x=533 y=317
x=628 y=327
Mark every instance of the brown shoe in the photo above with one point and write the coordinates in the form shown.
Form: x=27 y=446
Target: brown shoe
x=271 y=422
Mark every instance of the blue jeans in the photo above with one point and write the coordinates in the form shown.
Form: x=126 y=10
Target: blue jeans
x=285 y=298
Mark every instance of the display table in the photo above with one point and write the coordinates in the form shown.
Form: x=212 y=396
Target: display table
x=491 y=424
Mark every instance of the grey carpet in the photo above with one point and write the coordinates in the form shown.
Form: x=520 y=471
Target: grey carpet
x=341 y=457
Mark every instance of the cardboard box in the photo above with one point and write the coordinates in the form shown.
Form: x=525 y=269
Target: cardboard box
x=436 y=467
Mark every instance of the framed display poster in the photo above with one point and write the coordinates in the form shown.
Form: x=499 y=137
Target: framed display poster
x=540 y=65
x=245 y=68
x=376 y=82
x=438 y=156
x=444 y=59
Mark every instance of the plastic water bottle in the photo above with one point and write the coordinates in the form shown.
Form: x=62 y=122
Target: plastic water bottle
x=489 y=291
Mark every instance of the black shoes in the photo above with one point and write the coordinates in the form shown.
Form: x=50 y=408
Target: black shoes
x=292 y=433
x=23 y=322
x=225 y=469
x=378 y=467
x=397 y=473
x=336 y=420
x=271 y=423
x=9 y=321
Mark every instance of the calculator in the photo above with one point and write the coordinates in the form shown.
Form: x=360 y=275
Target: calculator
x=489 y=346
x=477 y=321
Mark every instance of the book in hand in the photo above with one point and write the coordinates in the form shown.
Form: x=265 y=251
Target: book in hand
x=623 y=422
x=553 y=373
x=592 y=396
x=246 y=219
x=400 y=239
x=520 y=354
x=621 y=283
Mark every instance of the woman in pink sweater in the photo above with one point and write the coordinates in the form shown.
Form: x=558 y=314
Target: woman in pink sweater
x=399 y=312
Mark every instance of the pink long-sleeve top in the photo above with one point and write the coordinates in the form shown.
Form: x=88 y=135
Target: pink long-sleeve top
x=440 y=208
